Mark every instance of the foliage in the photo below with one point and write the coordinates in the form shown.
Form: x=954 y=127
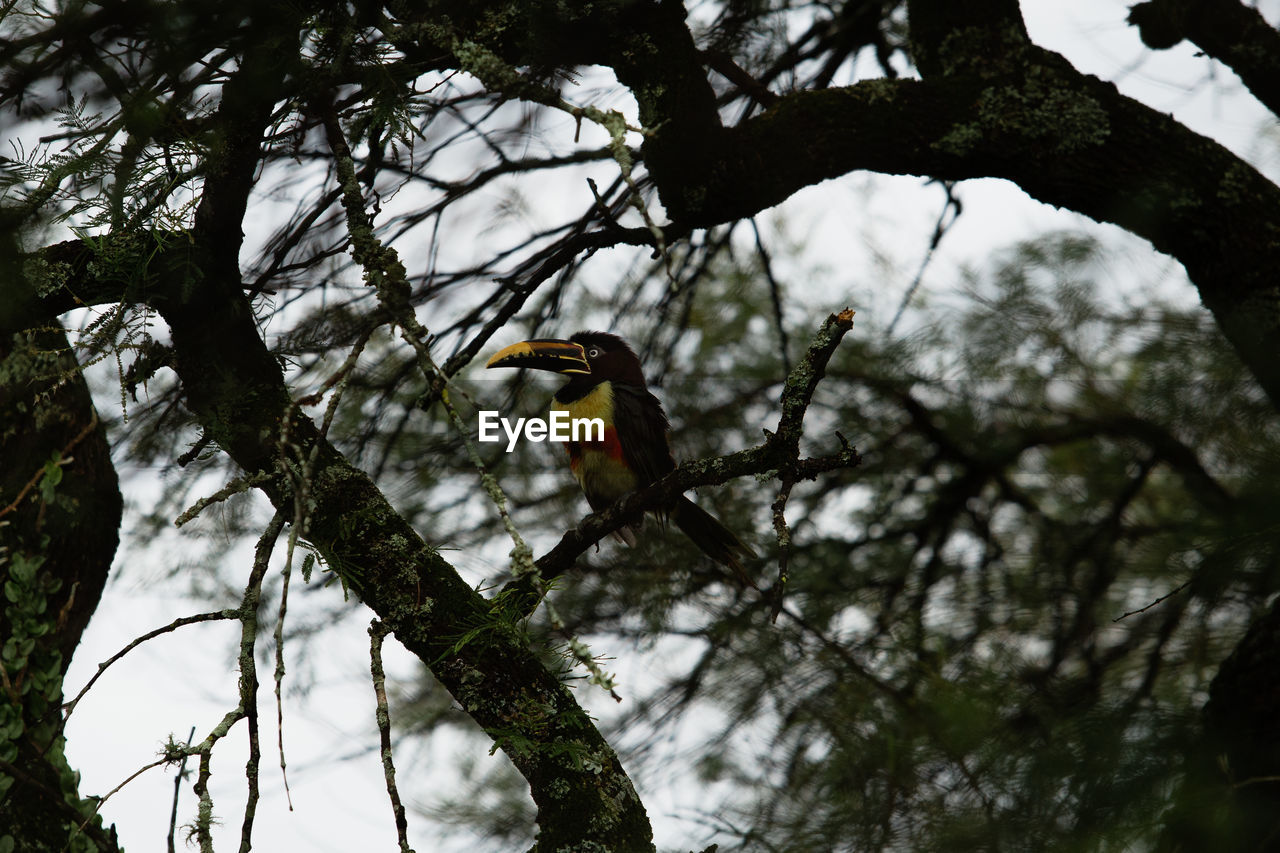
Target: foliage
x=998 y=631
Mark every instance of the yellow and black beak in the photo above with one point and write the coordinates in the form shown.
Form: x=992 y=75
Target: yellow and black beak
x=543 y=354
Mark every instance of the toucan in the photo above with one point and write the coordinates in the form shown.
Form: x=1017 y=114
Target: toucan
x=606 y=382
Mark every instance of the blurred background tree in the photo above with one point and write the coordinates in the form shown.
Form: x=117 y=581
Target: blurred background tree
x=998 y=630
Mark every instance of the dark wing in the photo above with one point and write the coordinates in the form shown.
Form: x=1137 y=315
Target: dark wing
x=642 y=432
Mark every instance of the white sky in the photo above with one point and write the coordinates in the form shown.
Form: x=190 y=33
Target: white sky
x=865 y=228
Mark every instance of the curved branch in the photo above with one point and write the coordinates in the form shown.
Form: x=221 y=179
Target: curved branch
x=1232 y=33
x=1066 y=138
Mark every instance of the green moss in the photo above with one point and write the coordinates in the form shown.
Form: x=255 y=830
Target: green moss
x=46 y=277
x=641 y=47
x=961 y=139
x=648 y=99
x=982 y=50
x=1181 y=200
x=485 y=65
x=956 y=53
x=1040 y=109
x=584 y=847
x=25 y=364
x=1234 y=186
x=567 y=10
x=881 y=90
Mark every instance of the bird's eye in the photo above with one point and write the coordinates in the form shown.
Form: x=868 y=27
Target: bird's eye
x=594 y=352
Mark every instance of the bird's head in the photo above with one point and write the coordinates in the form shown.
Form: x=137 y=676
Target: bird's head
x=587 y=358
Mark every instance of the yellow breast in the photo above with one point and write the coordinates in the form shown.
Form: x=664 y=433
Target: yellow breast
x=599 y=466
x=596 y=403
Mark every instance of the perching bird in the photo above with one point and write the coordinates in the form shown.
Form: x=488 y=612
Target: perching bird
x=605 y=381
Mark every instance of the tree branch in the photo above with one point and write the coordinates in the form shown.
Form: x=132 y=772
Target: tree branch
x=1232 y=33
x=1066 y=138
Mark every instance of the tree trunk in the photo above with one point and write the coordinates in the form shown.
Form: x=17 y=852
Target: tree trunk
x=60 y=509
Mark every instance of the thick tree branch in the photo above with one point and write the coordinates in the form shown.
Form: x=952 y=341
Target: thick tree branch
x=992 y=105
x=235 y=388
x=576 y=779
x=574 y=776
x=983 y=36
x=1066 y=138
x=1232 y=33
x=57 y=541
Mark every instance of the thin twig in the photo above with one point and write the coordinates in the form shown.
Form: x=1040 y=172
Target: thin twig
x=1168 y=594
x=783 y=533
x=177 y=788
x=940 y=229
x=150 y=635
x=339 y=378
x=247 y=704
x=377 y=633
x=234 y=487
x=775 y=295
x=279 y=673
x=194 y=451
x=249 y=669
x=723 y=64
x=97 y=806
x=1254 y=780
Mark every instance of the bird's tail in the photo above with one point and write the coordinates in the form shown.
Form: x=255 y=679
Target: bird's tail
x=712 y=538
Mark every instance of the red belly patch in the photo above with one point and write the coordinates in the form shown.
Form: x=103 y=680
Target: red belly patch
x=610 y=447
x=600 y=468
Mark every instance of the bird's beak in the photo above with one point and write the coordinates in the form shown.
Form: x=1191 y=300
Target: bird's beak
x=543 y=354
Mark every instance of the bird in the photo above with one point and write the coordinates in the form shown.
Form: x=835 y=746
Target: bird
x=605 y=381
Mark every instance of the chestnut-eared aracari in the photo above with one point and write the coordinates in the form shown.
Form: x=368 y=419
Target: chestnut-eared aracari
x=605 y=381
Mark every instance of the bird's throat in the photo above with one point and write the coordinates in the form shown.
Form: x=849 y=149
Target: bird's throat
x=595 y=401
